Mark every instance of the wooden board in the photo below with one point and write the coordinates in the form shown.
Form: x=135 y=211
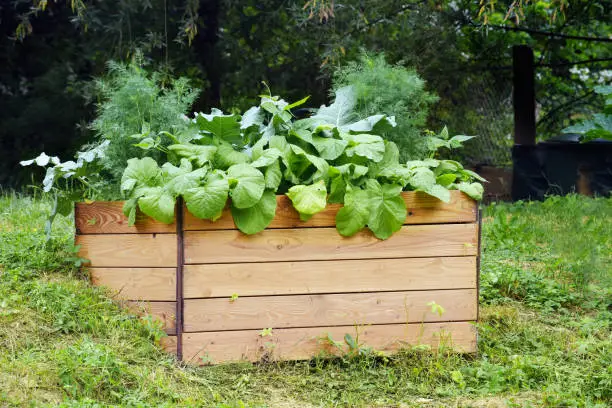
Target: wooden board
x=422 y=209
x=326 y=244
x=296 y=344
x=291 y=278
x=137 y=283
x=106 y=217
x=327 y=310
x=162 y=311
x=168 y=344
x=129 y=250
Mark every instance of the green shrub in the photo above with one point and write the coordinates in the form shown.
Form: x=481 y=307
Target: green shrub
x=134 y=102
x=394 y=91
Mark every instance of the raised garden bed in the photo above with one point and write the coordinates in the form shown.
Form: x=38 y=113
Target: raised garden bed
x=302 y=280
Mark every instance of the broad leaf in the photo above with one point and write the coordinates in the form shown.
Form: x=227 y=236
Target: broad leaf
x=446 y=180
x=140 y=173
x=273 y=176
x=129 y=209
x=365 y=145
x=181 y=179
x=337 y=189
x=247 y=185
x=474 y=190
x=422 y=179
x=308 y=200
x=457 y=141
x=355 y=213
x=208 y=200
x=377 y=124
x=256 y=218
x=195 y=153
x=320 y=164
x=267 y=157
x=390 y=160
x=226 y=156
x=252 y=117
x=329 y=148
x=387 y=208
x=439 y=192
x=157 y=202
x=341 y=112
x=223 y=126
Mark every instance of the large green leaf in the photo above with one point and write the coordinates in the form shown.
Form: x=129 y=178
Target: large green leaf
x=267 y=157
x=375 y=124
x=365 y=145
x=355 y=213
x=322 y=167
x=440 y=192
x=341 y=112
x=181 y=179
x=422 y=178
x=474 y=190
x=195 y=153
x=140 y=173
x=208 y=200
x=226 y=156
x=337 y=189
x=328 y=147
x=387 y=208
x=273 y=176
x=226 y=127
x=390 y=160
x=247 y=185
x=157 y=202
x=308 y=199
x=256 y=218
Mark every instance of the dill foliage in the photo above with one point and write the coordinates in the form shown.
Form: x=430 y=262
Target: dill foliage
x=393 y=90
x=134 y=102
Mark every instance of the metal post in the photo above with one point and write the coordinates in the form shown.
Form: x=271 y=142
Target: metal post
x=524 y=96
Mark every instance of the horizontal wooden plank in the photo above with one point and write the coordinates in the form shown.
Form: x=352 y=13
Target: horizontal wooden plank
x=129 y=250
x=292 y=278
x=298 y=344
x=326 y=244
x=106 y=217
x=342 y=309
x=168 y=343
x=165 y=312
x=137 y=283
x=422 y=209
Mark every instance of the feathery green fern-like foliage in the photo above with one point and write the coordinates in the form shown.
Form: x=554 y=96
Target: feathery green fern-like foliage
x=394 y=91
x=133 y=102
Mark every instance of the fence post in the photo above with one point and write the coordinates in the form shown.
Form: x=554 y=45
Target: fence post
x=523 y=95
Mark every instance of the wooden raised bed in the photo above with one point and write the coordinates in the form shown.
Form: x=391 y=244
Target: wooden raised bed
x=301 y=279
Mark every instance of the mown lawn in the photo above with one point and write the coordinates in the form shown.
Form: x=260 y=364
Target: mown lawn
x=544 y=338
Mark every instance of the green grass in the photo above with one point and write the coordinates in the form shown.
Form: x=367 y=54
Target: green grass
x=544 y=336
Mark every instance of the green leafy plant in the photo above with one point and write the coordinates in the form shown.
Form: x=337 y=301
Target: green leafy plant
x=393 y=90
x=331 y=156
x=600 y=126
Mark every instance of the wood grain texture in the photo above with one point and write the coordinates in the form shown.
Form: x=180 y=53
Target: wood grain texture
x=168 y=343
x=137 y=283
x=298 y=344
x=327 y=310
x=129 y=250
x=165 y=312
x=292 y=278
x=422 y=209
x=326 y=244
x=106 y=217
